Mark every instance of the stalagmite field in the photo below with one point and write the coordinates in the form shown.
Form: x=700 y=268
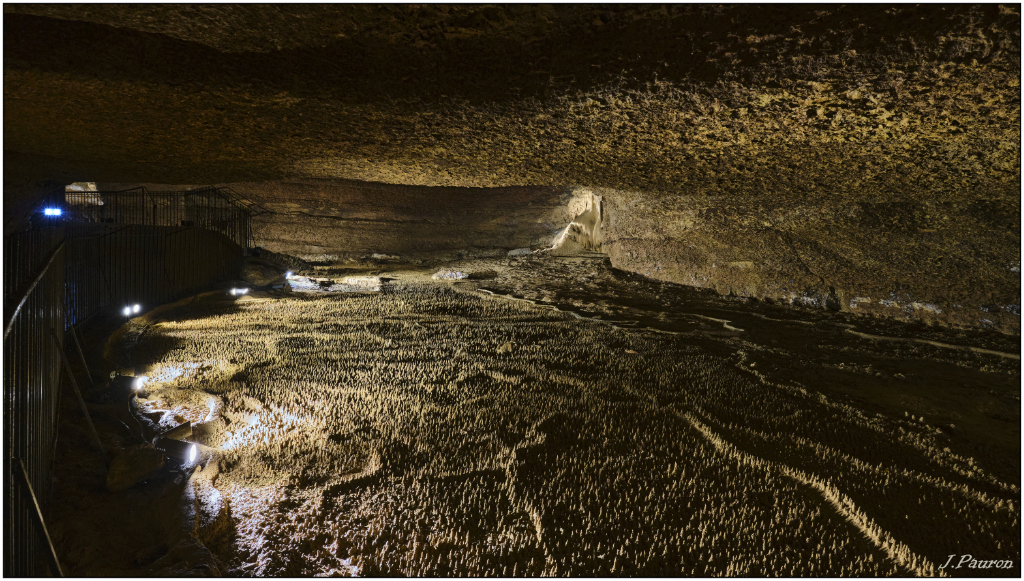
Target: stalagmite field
x=433 y=428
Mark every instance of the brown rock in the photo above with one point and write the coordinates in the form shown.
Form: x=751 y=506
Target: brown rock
x=259 y=273
x=133 y=465
x=874 y=177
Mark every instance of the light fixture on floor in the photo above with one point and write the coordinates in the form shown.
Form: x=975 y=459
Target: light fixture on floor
x=139 y=382
x=136 y=308
x=181 y=450
x=126 y=372
x=179 y=432
x=52 y=212
x=288 y=275
x=127 y=311
x=239 y=291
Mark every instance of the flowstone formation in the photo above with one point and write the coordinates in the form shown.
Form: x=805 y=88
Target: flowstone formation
x=431 y=428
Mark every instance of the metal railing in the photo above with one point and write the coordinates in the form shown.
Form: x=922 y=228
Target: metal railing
x=58 y=276
x=214 y=208
x=33 y=282
x=114 y=266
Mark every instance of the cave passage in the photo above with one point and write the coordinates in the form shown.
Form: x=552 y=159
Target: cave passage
x=551 y=415
x=510 y=290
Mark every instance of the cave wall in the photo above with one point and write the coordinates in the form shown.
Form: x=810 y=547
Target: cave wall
x=332 y=220
x=823 y=154
x=952 y=263
x=326 y=220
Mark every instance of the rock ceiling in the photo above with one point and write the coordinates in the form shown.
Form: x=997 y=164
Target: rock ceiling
x=899 y=124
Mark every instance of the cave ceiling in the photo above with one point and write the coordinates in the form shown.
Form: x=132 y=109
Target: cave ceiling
x=829 y=154
x=765 y=101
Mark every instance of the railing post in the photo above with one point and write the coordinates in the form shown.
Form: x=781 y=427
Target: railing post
x=78 y=394
x=38 y=514
x=81 y=355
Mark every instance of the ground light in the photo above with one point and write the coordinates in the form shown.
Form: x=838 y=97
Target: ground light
x=288 y=274
x=186 y=451
x=181 y=432
x=136 y=308
x=239 y=291
x=52 y=211
x=139 y=382
x=127 y=372
x=127 y=311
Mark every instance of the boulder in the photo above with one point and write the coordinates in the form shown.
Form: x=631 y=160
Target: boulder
x=259 y=273
x=132 y=466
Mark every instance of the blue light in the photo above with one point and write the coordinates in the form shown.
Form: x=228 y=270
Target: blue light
x=52 y=211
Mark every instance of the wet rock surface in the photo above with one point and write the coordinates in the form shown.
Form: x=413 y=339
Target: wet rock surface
x=586 y=422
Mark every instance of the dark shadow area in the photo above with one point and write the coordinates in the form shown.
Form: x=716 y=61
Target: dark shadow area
x=478 y=53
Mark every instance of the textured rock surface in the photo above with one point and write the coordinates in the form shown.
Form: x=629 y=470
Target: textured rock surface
x=840 y=147
x=430 y=430
x=132 y=466
x=328 y=220
x=339 y=220
x=261 y=273
x=942 y=262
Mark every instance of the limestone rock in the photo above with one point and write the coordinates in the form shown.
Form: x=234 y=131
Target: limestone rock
x=213 y=525
x=133 y=465
x=149 y=554
x=449 y=275
x=259 y=273
x=487 y=274
x=714 y=139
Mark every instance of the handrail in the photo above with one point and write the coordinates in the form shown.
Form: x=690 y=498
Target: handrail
x=37 y=512
x=31 y=287
x=59 y=276
x=243 y=202
x=232 y=199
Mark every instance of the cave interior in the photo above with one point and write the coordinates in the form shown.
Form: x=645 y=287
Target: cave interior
x=512 y=290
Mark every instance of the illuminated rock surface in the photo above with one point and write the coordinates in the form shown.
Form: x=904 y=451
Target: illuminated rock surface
x=813 y=153
x=432 y=428
x=835 y=391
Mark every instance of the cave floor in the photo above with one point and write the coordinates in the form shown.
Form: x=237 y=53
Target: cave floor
x=552 y=416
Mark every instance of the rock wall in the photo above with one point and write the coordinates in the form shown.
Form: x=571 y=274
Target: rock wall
x=864 y=155
x=584 y=233
x=930 y=261
x=332 y=220
x=941 y=262
x=339 y=220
